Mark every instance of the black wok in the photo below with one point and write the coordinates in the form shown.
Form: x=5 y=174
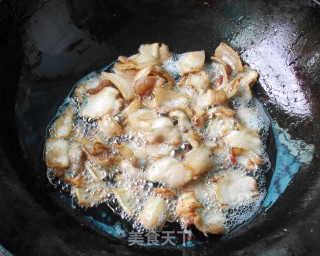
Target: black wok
x=46 y=46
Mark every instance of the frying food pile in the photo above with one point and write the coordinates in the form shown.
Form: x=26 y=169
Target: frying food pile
x=168 y=137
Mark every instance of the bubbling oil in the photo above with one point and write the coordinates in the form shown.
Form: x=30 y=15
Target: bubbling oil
x=250 y=113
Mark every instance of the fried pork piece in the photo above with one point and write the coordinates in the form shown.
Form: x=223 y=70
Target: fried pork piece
x=245 y=158
x=199 y=81
x=248 y=78
x=221 y=111
x=199 y=161
x=150 y=77
x=145 y=153
x=169 y=171
x=91 y=193
x=222 y=78
x=57 y=153
x=191 y=62
x=158 y=51
x=168 y=100
x=217 y=129
x=154 y=213
x=244 y=139
x=165 y=192
x=74 y=174
x=228 y=55
x=97 y=172
x=234 y=188
x=109 y=126
x=209 y=98
x=97 y=152
x=104 y=102
x=126 y=200
x=62 y=127
x=123 y=84
x=134 y=105
x=155 y=129
x=137 y=62
x=210 y=222
x=186 y=208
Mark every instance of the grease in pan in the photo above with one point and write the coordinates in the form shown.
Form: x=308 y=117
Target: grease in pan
x=172 y=137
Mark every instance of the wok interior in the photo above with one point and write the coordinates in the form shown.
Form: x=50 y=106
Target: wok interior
x=51 y=54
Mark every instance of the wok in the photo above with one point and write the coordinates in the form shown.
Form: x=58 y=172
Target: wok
x=46 y=46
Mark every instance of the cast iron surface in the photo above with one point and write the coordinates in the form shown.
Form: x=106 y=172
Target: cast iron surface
x=47 y=46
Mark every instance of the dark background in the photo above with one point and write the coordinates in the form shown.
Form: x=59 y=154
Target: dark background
x=46 y=46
